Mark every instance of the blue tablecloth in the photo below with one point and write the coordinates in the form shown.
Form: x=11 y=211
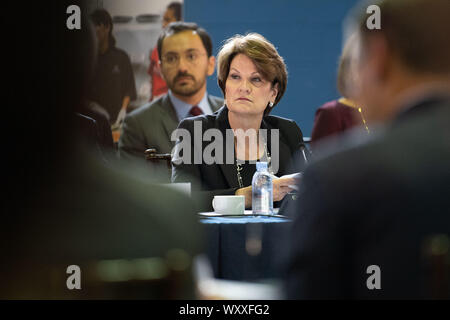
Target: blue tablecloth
x=245 y=248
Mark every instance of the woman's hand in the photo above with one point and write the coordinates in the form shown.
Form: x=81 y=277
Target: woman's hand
x=281 y=187
x=247 y=192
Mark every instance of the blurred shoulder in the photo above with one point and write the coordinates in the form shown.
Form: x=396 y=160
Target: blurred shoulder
x=329 y=106
x=121 y=54
x=351 y=155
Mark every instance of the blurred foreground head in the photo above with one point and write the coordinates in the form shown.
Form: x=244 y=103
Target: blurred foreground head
x=64 y=206
x=347 y=79
x=409 y=52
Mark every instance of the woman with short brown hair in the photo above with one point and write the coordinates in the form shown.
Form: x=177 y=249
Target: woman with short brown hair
x=264 y=56
x=253 y=78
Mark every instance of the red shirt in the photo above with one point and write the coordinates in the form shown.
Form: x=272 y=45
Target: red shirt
x=159 y=86
x=333 y=118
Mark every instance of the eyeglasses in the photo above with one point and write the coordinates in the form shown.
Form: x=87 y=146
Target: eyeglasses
x=173 y=59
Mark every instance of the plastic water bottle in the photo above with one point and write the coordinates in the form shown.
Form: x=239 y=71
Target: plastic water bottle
x=262 y=190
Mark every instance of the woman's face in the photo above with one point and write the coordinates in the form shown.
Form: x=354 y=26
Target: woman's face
x=246 y=91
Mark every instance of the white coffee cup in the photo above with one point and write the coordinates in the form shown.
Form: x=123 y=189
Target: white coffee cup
x=229 y=205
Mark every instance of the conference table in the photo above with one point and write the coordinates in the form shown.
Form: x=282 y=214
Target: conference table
x=245 y=248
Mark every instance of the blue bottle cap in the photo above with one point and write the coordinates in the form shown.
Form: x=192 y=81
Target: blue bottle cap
x=261 y=166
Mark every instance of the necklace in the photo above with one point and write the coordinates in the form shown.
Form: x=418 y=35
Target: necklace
x=350 y=103
x=363 y=120
x=239 y=166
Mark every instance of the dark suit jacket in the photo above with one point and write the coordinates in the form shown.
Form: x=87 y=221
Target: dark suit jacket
x=151 y=126
x=221 y=179
x=374 y=204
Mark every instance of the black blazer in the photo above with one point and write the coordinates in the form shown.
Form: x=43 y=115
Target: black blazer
x=221 y=179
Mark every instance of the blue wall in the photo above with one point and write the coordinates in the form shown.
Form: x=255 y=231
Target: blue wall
x=307 y=33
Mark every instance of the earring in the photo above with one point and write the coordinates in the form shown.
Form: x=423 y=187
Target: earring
x=270 y=104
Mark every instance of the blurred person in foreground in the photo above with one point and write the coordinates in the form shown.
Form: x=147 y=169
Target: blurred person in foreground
x=65 y=208
x=253 y=79
x=362 y=227
x=337 y=116
x=173 y=13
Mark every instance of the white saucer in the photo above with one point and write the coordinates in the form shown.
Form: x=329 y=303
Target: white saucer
x=248 y=213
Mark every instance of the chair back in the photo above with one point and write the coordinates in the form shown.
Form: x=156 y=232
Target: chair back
x=152 y=155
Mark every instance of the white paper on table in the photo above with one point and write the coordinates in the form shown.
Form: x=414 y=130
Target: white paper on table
x=296 y=175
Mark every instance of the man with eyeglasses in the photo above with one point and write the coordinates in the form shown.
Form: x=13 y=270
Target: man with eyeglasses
x=186 y=61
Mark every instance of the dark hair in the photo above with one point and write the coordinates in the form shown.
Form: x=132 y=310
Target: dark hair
x=179 y=26
x=102 y=17
x=414 y=30
x=176 y=7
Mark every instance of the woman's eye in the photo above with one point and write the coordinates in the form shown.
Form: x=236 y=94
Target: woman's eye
x=256 y=79
x=234 y=76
